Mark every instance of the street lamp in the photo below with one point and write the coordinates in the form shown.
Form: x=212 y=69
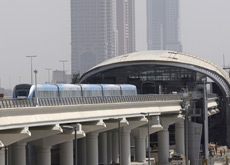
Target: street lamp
x=48 y=69
x=31 y=63
x=63 y=61
x=70 y=127
x=205 y=114
x=36 y=88
x=147 y=114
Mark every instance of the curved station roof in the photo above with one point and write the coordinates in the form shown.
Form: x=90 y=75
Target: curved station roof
x=169 y=58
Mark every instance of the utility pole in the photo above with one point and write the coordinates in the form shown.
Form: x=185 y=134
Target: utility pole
x=205 y=114
x=48 y=69
x=36 y=87
x=63 y=61
x=31 y=66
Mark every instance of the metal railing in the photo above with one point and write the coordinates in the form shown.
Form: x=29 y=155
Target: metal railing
x=15 y=103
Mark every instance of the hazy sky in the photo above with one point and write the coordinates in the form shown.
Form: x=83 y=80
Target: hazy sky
x=42 y=28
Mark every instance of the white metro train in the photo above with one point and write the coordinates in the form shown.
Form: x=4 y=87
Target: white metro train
x=73 y=90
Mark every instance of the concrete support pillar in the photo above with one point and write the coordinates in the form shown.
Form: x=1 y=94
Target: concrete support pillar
x=44 y=155
x=140 y=149
x=18 y=154
x=92 y=148
x=103 y=148
x=66 y=153
x=2 y=156
x=115 y=147
x=140 y=135
x=109 y=148
x=125 y=147
x=81 y=155
x=163 y=146
x=179 y=136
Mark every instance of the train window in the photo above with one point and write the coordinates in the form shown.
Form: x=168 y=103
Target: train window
x=92 y=93
x=47 y=94
x=70 y=93
x=22 y=93
x=112 y=92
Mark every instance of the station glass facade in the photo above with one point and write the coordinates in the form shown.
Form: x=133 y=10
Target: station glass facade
x=148 y=78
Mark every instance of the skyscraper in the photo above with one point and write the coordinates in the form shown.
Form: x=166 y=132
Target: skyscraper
x=126 y=26
x=93 y=33
x=100 y=29
x=163 y=25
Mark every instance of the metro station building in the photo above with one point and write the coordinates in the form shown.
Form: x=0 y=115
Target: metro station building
x=169 y=72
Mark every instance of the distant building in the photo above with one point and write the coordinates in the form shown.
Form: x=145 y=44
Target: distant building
x=2 y=90
x=163 y=25
x=97 y=33
x=93 y=33
x=7 y=93
x=60 y=77
x=126 y=26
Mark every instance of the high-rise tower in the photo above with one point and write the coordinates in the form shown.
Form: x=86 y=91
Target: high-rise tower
x=93 y=33
x=126 y=26
x=100 y=29
x=163 y=25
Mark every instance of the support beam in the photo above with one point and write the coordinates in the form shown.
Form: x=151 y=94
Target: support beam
x=42 y=132
x=93 y=126
x=140 y=149
x=125 y=147
x=163 y=146
x=163 y=137
x=140 y=135
x=18 y=154
x=44 y=155
x=92 y=148
x=44 y=151
x=115 y=147
x=66 y=136
x=2 y=156
x=179 y=137
x=11 y=136
x=66 y=153
x=109 y=125
x=125 y=138
x=81 y=147
x=103 y=148
x=109 y=147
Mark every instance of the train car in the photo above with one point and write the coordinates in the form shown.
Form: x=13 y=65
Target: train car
x=91 y=90
x=69 y=90
x=44 y=91
x=21 y=91
x=111 y=90
x=128 y=90
x=73 y=90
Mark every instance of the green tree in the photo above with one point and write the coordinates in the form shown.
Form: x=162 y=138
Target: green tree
x=76 y=78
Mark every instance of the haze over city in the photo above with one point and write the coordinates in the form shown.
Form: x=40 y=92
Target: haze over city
x=119 y=82
x=42 y=28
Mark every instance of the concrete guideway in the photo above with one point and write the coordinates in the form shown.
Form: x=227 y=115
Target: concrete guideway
x=41 y=116
x=43 y=127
